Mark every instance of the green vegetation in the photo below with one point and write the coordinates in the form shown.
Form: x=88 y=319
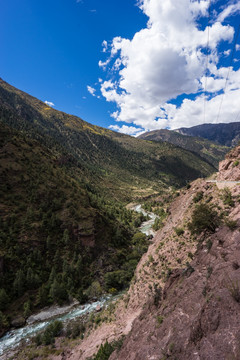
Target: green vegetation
x=227 y=197
x=59 y=237
x=198 y=196
x=160 y=319
x=107 y=349
x=206 y=149
x=118 y=165
x=179 y=231
x=231 y=224
x=204 y=218
x=65 y=230
x=48 y=336
x=104 y=352
x=234 y=289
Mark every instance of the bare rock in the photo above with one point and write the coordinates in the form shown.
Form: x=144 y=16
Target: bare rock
x=19 y=321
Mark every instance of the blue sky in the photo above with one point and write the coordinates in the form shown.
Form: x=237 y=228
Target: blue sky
x=125 y=65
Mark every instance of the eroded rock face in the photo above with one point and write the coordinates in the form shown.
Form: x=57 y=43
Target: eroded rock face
x=229 y=169
x=198 y=319
x=198 y=315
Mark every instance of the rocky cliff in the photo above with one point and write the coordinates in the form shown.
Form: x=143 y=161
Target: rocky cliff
x=229 y=169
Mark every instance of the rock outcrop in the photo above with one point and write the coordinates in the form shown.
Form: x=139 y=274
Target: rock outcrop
x=229 y=169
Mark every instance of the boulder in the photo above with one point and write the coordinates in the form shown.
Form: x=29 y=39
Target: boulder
x=19 y=321
x=98 y=308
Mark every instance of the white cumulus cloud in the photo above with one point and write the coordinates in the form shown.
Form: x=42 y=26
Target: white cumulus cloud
x=167 y=59
x=130 y=130
x=49 y=103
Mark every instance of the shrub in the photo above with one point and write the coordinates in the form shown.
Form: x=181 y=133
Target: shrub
x=157 y=294
x=116 y=279
x=104 y=352
x=94 y=290
x=236 y=163
x=74 y=330
x=227 y=197
x=232 y=224
x=158 y=224
x=233 y=287
x=53 y=330
x=179 y=231
x=209 y=244
x=107 y=349
x=160 y=319
x=204 y=218
x=198 y=196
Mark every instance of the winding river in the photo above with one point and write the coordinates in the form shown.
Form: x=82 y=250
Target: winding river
x=146 y=226
x=39 y=322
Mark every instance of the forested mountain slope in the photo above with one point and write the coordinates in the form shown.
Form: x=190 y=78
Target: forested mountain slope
x=206 y=149
x=57 y=238
x=122 y=164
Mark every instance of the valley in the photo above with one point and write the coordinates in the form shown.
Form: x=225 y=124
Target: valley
x=68 y=234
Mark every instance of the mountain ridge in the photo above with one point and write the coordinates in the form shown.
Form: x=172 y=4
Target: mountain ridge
x=227 y=134
x=116 y=159
x=208 y=150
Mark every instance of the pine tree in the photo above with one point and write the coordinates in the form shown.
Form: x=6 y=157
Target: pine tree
x=19 y=282
x=4 y=299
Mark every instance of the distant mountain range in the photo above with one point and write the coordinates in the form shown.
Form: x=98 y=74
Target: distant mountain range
x=224 y=134
x=207 y=150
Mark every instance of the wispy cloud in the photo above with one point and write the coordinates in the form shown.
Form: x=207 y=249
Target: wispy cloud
x=227 y=52
x=49 y=103
x=228 y=11
x=91 y=90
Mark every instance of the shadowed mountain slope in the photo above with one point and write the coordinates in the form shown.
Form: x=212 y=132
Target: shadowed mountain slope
x=208 y=150
x=224 y=134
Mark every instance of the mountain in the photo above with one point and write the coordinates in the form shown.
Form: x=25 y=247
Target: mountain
x=206 y=149
x=57 y=238
x=224 y=134
x=185 y=294
x=121 y=166
x=65 y=230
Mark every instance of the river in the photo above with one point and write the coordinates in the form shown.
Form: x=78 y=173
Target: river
x=14 y=337
x=39 y=322
x=146 y=226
